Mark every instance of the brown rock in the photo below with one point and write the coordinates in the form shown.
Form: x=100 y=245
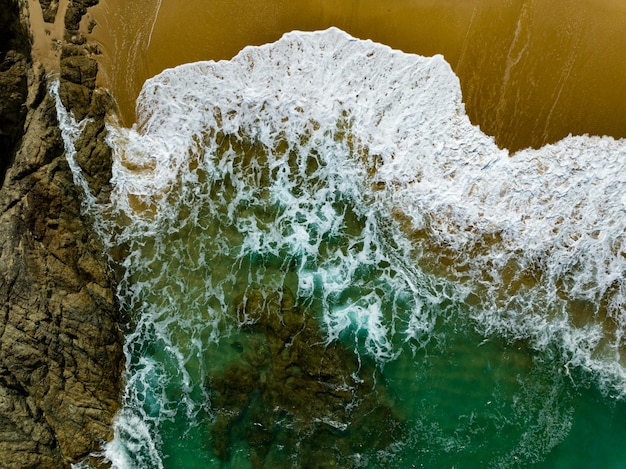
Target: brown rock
x=49 y=9
x=14 y=67
x=287 y=377
x=79 y=69
x=61 y=354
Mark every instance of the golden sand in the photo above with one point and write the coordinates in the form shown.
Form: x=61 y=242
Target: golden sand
x=531 y=71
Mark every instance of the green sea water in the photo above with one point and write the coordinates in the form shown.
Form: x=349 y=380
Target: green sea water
x=322 y=265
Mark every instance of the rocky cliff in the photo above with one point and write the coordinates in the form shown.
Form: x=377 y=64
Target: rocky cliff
x=61 y=355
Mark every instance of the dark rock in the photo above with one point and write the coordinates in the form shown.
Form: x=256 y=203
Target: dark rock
x=15 y=64
x=13 y=82
x=75 y=37
x=80 y=70
x=93 y=155
x=75 y=94
x=92 y=24
x=60 y=342
x=74 y=13
x=61 y=355
x=70 y=49
x=49 y=9
x=290 y=395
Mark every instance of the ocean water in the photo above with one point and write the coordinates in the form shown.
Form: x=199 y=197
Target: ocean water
x=323 y=263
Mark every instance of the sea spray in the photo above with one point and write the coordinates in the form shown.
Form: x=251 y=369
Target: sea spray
x=349 y=175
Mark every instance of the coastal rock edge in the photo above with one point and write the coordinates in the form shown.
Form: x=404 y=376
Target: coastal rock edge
x=61 y=357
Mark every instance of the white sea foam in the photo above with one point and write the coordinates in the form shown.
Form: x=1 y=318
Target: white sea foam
x=134 y=445
x=350 y=173
x=70 y=132
x=533 y=236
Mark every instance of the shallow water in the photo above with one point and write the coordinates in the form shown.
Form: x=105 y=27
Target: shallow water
x=329 y=266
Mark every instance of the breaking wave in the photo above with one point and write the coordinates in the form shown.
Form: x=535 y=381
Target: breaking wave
x=348 y=175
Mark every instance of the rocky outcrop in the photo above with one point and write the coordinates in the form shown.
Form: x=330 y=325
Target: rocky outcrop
x=49 y=9
x=287 y=376
x=15 y=65
x=60 y=345
x=79 y=95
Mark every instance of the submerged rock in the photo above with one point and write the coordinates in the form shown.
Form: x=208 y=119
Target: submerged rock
x=61 y=356
x=292 y=396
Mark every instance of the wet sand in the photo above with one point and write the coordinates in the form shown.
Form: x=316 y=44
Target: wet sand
x=47 y=37
x=531 y=72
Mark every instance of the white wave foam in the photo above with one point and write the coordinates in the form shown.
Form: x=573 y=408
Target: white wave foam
x=538 y=236
x=70 y=132
x=350 y=173
x=134 y=445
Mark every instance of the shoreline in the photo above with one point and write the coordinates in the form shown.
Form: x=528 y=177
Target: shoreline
x=61 y=357
x=531 y=73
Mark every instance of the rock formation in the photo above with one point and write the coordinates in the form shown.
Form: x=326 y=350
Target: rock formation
x=295 y=400
x=61 y=355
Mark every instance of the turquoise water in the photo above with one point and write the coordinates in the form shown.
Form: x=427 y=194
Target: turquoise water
x=327 y=265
